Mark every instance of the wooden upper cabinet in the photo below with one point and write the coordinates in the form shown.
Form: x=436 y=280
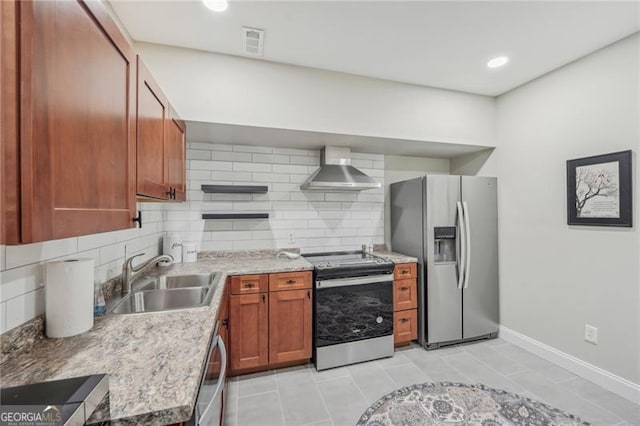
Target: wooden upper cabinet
x=175 y=156
x=153 y=114
x=77 y=121
x=289 y=326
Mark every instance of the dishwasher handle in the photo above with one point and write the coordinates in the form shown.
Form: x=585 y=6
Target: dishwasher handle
x=221 y=380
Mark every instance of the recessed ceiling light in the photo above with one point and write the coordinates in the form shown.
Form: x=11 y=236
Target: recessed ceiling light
x=216 y=5
x=498 y=62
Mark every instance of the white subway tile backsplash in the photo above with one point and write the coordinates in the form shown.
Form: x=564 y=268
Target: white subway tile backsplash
x=251 y=148
x=310 y=161
x=199 y=174
x=3 y=317
x=231 y=156
x=295 y=151
x=250 y=167
x=230 y=177
x=209 y=165
x=38 y=252
x=270 y=158
x=18 y=281
x=209 y=146
x=24 y=307
x=315 y=219
x=269 y=177
x=198 y=154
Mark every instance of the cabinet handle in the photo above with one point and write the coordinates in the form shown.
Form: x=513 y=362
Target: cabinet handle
x=404 y=271
x=291 y=281
x=168 y=193
x=404 y=287
x=138 y=219
x=309 y=294
x=404 y=319
x=173 y=193
x=249 y=285
x=264 y=298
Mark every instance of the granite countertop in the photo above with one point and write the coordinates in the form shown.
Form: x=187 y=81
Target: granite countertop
x=154 y=360
x=395 y=257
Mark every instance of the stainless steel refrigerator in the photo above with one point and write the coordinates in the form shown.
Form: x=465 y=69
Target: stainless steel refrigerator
x=450 y=224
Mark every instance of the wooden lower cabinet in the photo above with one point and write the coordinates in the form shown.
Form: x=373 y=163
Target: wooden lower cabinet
x=289 y=326
x=405 y=326
x=405 y=304
x=269 y=329
x=249 y=331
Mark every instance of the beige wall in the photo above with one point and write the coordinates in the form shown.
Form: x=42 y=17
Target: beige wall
x=555 y=277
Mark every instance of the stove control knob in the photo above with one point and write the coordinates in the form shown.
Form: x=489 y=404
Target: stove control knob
x=379 y=320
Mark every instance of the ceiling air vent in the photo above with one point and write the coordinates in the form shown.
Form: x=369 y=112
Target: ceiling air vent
x=253 y=40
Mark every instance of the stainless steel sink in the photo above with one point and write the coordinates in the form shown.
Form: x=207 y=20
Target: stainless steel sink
x=178 y=281
x=169 y=293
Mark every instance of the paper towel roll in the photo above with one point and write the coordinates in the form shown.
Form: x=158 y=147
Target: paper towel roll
x=172 y=244
x=69 y=297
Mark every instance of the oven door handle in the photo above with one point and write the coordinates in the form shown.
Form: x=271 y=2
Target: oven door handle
x=221 y=378
x=343 y=282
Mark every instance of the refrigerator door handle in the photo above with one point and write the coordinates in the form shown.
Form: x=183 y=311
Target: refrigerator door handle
x=463 y=245
x=467 y=240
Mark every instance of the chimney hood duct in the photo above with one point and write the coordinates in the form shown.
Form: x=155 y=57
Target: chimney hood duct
x=337 y=174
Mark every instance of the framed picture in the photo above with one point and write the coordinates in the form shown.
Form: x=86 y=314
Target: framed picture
x=599 y=190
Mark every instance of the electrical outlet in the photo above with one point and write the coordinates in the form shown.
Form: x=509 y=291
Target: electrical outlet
x=292 y=238
x=591 y=334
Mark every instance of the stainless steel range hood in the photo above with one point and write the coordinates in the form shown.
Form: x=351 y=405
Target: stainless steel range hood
x=337 y=174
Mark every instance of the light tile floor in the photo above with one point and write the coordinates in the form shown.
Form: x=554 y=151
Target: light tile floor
x=302 y=396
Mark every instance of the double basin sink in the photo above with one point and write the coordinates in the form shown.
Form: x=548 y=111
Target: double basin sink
x=168 y=292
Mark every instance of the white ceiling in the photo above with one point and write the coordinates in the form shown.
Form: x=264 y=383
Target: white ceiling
x=287 y=138
x=440 y=44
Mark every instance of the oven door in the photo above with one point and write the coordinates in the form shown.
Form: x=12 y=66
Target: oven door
x=352 y=309
x=209 y=405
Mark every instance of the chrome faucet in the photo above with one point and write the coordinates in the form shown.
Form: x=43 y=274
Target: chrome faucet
x=130 y=273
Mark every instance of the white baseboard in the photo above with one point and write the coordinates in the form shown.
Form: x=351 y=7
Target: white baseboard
x=616 y=384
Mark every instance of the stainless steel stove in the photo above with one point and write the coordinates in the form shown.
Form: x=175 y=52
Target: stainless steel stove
x=353 y=308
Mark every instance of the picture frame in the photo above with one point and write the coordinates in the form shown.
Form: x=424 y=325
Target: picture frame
x=599 y=190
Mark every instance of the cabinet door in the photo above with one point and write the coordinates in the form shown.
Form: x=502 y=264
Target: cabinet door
x=289 y=326
x=405 y=294
x=175 y=156
x=153 y=112
x=405 y=326
x=248 y=329
x=77 y=128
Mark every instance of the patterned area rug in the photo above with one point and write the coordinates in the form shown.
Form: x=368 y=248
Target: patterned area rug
x=459 y=403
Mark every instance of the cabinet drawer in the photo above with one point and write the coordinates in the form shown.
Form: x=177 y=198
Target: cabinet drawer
x=405 y=270
x=246 y=284
x=290 y=281
x=405 y=326
x=405 y=294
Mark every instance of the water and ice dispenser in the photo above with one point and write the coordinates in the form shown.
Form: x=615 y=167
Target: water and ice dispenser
x=444 y=244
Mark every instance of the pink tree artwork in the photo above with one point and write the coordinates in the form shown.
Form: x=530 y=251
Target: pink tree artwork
x=597 y=181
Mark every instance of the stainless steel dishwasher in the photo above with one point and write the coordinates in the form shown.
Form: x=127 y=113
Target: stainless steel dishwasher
x=209 y=406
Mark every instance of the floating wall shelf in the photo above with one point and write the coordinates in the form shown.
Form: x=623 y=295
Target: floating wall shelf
x=235 y=215
x=235 y=189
